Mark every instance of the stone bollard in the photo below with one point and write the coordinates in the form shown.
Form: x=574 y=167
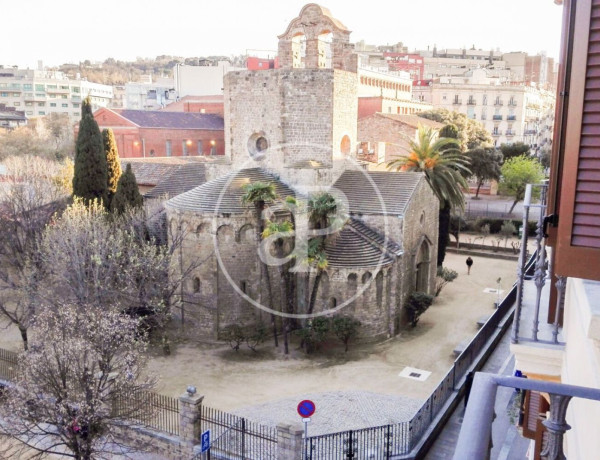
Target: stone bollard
x=190 y=405
x=289 y=441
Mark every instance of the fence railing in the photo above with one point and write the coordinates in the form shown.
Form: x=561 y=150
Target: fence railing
x=236 y=437
x=9 y=363
x=151 y=410
x=375 y=442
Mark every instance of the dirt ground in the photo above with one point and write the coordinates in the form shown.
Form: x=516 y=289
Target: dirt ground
x=231 y=380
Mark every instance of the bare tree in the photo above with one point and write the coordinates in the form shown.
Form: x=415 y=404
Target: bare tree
x=31 y=194
x=80 y=364
x=94 y=258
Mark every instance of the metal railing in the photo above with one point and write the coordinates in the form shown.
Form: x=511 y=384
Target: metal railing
x=9 y=364
x=236 y=437
x=151 y=410
x=542 y=265
x=474 y=440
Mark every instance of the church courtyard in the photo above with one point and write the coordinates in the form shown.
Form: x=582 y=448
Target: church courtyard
x=234 y=381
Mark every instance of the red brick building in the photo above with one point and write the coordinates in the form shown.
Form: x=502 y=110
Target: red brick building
x=383 y=137
x=198 y=104
x=141 y=133
x=412 y=63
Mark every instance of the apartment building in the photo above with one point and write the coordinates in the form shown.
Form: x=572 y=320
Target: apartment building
x=385 y=91
x=41 y=92
x=511 y=112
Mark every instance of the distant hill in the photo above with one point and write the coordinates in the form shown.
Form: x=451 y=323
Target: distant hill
x=114 y=72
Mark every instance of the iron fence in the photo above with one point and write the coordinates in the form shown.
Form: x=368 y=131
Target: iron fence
x=377 y=443
x=235 y=437
x=9 y=363
x=152 y=410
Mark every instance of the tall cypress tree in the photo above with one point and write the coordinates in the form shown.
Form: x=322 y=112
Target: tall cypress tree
x=113 y=163
x=127 y=195
x=90 y=176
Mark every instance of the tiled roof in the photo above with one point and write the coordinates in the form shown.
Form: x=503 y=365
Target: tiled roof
x=181 y=179
x=360 y=246
x=173 y=120
x=395 y=189
x=223 y=195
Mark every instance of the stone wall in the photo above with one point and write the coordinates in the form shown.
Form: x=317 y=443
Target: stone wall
x=303 y=114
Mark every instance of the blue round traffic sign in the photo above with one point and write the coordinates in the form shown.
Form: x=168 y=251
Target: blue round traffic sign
x=306 y=408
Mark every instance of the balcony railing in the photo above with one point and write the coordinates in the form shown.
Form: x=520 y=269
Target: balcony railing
x=496 y=133
x=474 y=440
x=535 y=290
x=510 y=133
x=457 y=102
x=498 y=103
x=512 y=104
x=497 y=117
x=471 y=102
x=511 y=117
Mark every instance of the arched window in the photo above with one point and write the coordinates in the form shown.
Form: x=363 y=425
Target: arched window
x=422 y=268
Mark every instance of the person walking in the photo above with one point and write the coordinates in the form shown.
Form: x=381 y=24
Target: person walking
x=469 y=265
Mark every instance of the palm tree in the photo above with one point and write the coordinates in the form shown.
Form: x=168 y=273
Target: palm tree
x=445 y=169
x=322 y=207
x=282 y=228
x=259 y=194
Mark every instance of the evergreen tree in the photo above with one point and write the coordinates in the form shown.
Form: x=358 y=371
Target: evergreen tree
x=90 y=177
x=127 y=195
x=113 y=163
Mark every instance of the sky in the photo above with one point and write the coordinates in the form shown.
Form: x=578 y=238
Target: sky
x=60 y=31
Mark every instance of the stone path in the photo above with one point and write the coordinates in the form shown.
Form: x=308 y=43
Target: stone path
x=336 y=411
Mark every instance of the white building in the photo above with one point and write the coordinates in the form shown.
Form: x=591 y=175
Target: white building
x=191 y=80
x=41 y=92
x=149 y=95
x=511 y=112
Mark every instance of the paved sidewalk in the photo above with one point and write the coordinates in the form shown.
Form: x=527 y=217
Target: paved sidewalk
x=507 y=442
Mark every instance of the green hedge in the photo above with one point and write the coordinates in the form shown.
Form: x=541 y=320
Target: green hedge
x=496 y=225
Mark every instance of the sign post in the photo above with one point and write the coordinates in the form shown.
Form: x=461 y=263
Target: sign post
x=306 y=409
x=205 y=443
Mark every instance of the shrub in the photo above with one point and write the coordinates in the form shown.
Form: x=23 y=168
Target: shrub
x=255 y=335
x=252 y=335
x=444 y=276
x=234 y=335
x=314 y=333
x=496 y=225
x=416 y=305
x=345 y=328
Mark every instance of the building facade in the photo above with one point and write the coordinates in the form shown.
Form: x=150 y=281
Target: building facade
x=41 y=92
x=141 y=134
x=510 y=112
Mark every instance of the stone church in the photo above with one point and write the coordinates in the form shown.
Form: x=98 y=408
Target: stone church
x=296 y=128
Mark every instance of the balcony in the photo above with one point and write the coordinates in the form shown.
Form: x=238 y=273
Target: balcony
x=471 y=102
x=457 y=102
x=511 y=117
x=496 y=133
x=512 y=104
x=529 y=132
x=497 y=117
x=510 y=132
x=498 y=103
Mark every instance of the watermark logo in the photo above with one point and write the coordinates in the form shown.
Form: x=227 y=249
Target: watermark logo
x=304 y=236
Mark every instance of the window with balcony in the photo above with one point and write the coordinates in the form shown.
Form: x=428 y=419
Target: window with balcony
x=456 y=100
x=498 y=101
x=471 y=100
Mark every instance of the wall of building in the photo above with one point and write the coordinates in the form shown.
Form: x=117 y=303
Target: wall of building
x=581 y=364
x=295 y=110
